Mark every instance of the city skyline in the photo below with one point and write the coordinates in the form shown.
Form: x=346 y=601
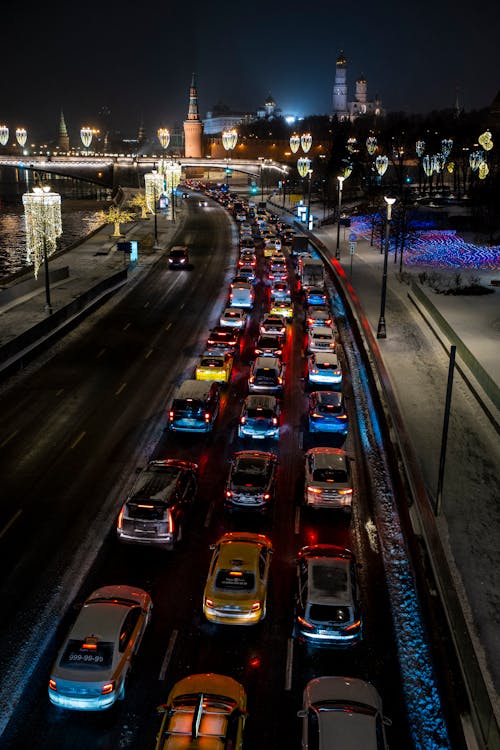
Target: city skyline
x=415 y=60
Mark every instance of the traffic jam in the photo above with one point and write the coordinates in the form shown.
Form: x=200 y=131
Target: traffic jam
x=271 y=390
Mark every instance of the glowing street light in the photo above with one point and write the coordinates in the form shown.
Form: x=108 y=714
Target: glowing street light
x=43 y=227
x=306 y=142
x=154 y=185
x=164 y=137
x=4 y=134
x=294 y=143
x=229 y=140
x=381 y=332
x=86 y=134
x=341 y=179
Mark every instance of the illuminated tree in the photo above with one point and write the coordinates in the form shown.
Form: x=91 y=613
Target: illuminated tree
x=139 y=201
x=116 y=216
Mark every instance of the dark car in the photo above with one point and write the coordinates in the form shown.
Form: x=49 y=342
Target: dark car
x=178 y=257
x=223 y=338
x=269 y=344
x=327 y=611
x=154 y=512
x=251 y=481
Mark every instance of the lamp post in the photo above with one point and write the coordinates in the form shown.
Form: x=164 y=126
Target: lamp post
x=341 y=179
x=381 y=332
x=229 y=139
x=309 y=172
x=154 y=183
x=43 y=227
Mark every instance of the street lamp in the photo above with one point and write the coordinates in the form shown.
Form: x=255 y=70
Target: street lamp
x=309 y=172
x=381 y=333
x=341 y=179
x=154 y=184
x=43 y=227
x=229 y=139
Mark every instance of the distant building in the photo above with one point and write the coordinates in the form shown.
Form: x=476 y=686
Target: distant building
x=221 y=118
x=350 y=110
x=193 y=126
x=268 y=110
x=63 y=139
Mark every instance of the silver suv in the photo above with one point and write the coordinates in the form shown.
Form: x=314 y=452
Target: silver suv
x=266 y=375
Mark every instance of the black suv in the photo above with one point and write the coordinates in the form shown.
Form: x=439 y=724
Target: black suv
x=251 y=480
x=155 y=510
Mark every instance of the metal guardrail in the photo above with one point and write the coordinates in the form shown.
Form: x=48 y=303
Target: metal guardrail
x=486 y=382
x=484 y=720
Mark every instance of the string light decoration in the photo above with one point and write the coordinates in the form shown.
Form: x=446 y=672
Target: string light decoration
x=43 y=224
x=229 y=138
x=351 y=145
x=450 y=167
x=163 y=137
x=86 y=134
x=446 y=146
x=483 y=170
x=154 y=184
x=485 y=140
x=420 y=148
x=381 y=164
x=371 y=144
x=475 y=159
x=428 y=165
x=303 y=165
x=306 y=142
x=21 y=136
x=347 y=171
x=438 y=162
x=4 y=134
x=294 y=143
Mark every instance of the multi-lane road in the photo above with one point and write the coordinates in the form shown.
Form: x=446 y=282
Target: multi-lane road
x=74 y=430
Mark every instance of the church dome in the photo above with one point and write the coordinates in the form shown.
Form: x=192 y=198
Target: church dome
x=269 y=101
x=341 y=60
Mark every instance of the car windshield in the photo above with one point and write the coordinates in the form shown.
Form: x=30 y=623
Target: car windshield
x=147 y=510
x=235 y=580
x=88 y=654
x=330 y=475
x=177 y=253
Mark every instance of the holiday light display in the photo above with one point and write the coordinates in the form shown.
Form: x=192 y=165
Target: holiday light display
x=446 y=146
x=450 y=167
x=483 y=170
x=371 y=144
x=86 y=134
x=163 y=137
x=294 y=143
x=303 y=165
x=351 y=145
x=438 y=162
x=347 y=171
x=485 y=140
x=420 y=148
x=381 y=164
x=21 y=136
x=306 y=142
x=475 y=159
x=428 y=165
x=4 y=134
x=43 y=224
x=229 y=138
x=154 y=184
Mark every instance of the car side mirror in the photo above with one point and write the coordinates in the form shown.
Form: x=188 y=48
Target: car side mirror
x=302 y=714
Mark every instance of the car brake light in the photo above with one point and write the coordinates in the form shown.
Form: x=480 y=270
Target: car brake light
x=342 y=416
x=171 y=415
x=275 y=421
x=304 y=623
x=209 y=603
x=170 y=520
x=229 y=493
x=255 y=606
x=355 y=626
x=243 y=420
x=107 y=688
x=120 y=518
x=251 y=379
x=52 y=685
x=280 y=381
x=206 y=416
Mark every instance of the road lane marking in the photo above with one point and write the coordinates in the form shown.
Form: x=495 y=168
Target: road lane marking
x=146 y=304
x=127 y=325
x=60 y=392
x=9 y=524
x=301 y=439
x=168 y=326
x=148 y=354
x=182 y=306
x=168 y=655
x=100 y=353
x=77 y=440
x=297 y=520
x=120 y=389
x=8 y=439
x=289 y=664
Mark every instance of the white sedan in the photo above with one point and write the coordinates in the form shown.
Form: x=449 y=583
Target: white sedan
x=233 y=317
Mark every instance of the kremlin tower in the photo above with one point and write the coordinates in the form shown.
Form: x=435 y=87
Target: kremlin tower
x=63 y=140
x=340 y=88
x=193 y=126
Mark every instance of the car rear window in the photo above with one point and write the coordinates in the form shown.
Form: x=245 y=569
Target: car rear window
x=330 y=475
x=265 y=373
x=235 y=580
x=147 y=510
x=188 y=406
x=330 y=408
x=87 y=654
x=326 y=613
x=259 y=413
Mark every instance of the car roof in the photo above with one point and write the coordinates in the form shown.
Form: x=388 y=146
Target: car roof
x=325 y=358
x=194 y=389
x=155 y=483
x=321 y=331
x=329 y=580
x=241 y=550
x=327 y=397
x=328 y=456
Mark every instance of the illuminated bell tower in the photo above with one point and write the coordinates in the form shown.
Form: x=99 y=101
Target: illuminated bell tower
x=340 y=88
x=193 y=126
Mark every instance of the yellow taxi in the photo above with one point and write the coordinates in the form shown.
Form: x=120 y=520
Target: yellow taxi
x=214 y=366
x=205 y=711
x=283 y=308
x=236 y=588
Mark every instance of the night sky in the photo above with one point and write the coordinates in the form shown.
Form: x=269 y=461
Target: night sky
x=137 y=60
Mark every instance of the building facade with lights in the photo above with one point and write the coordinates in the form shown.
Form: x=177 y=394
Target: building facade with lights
x=350 y=110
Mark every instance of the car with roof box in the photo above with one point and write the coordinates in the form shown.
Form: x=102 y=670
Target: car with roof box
x=260 y=417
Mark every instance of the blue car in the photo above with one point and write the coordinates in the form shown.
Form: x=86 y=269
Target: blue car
x=327 y=412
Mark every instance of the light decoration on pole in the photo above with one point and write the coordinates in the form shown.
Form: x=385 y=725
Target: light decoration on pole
x=21 y=136
x=483 y=170
x=347 y=171
x=303 y=165
x=340 y=179
x=475 y=159
x=371 y=144
x=450 y=167
x=229 y=138
x=173 y=172
x=163 y=137
x=428 y=165
x=438 y=162
x=154 y=184
x=485 y=140
x=43 y=227
x=294 y=143
x=351 y=145
x=381 y=164
x=86 y=134
x=4 y=134
x=446 y=146
x=420 y=148
x=306 y=142
x=381 y=330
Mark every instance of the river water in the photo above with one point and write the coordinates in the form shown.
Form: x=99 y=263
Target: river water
x=80 y=207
